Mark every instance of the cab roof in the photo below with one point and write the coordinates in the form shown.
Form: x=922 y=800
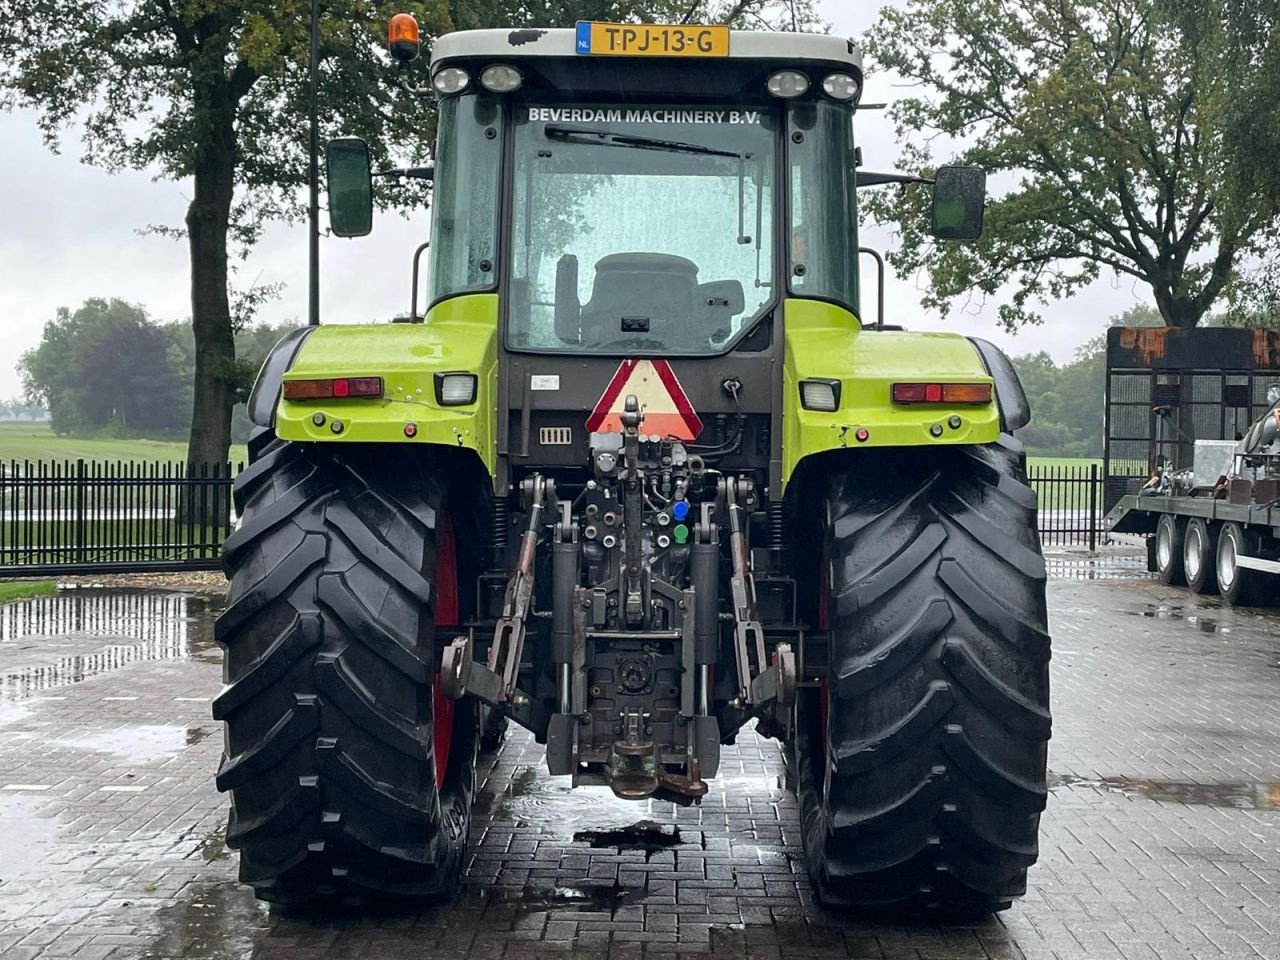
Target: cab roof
x=502 y=44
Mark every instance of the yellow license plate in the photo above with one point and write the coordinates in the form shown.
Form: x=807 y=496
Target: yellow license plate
x=652 y=40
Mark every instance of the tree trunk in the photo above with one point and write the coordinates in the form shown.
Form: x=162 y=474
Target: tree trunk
x=208 y=219
x=1181 y=312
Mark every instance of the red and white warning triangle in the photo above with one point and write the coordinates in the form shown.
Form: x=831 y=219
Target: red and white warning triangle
x=667 y=410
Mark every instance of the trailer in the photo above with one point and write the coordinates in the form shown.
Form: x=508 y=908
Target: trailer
x=1215 y=527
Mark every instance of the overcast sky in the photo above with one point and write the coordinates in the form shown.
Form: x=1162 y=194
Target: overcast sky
x=70 y=232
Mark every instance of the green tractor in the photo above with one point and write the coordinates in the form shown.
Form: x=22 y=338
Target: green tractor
x=640 y=476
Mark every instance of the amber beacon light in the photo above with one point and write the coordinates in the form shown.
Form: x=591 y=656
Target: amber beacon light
x=402 y=37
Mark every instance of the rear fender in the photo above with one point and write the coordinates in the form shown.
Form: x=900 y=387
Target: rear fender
x=265 y=394
x=459 y=335
x=1015 y=411
x=824 y=341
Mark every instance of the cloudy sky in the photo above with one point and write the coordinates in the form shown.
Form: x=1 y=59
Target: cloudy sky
x=71 y=232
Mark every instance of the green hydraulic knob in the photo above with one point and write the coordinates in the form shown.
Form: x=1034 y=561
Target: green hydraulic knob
x=681 y=533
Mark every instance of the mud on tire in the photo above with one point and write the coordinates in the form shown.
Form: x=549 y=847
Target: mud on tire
x=920 y=764
x=334 y=727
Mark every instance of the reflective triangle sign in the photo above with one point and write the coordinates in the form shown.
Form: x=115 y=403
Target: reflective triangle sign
x=667 y=411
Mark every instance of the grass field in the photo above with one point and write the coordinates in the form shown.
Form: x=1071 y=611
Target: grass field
x=22 y=589
x=1054 y=462
x=35 y=441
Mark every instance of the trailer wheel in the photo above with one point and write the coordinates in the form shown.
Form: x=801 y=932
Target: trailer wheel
x=1169 y=551
x=1199 y=557
x=920 y=763
x=350 y=774
x=1239 y=585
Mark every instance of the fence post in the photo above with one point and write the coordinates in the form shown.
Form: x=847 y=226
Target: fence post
x=1093 y=508
x=82 y=551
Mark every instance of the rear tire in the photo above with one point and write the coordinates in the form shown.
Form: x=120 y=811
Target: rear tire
x=1199 y=557
x=920 y=765
x=1169 y=551
x=350 y=775
x=1240 y=585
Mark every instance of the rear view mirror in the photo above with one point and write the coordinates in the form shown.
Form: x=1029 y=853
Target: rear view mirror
x=959 y=198
x=350 y=187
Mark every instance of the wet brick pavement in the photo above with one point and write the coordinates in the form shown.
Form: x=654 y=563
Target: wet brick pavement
x=1162 y=838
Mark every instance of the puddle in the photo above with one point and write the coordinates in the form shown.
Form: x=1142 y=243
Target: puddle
x=644 y=835
x=135 y=741
x=214 y=846
x=536 y=800
x=28 y=836
x=214 y=921
x=586 y=896
x=1240 y=795
x=145 y=625
x=1169 y=611
x=1103 y=567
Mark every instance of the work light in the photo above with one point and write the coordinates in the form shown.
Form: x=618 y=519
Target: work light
x=823 y=395
x=788 y=84
x=450 y=80
x=500 y=78
x=840 y=86
x=455 y=389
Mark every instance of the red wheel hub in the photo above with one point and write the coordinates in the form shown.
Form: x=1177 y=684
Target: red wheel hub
x=445 y=615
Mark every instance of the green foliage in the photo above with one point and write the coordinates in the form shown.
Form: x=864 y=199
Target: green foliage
x=1105 y=129
x=1066 y=402
x=102 y=368
x=109 y=370
x=740 y=14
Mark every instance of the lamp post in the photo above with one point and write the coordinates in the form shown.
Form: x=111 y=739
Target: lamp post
x=313 y=91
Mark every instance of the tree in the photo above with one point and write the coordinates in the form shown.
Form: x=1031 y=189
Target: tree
x=741 y=14
x=106 y=367
x=1106 y=141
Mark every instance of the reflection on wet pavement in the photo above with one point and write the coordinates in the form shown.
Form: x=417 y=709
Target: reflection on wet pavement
x=1256 y=796
x=1106 y=564
x=644 y=835
x=212 y=921
x=50 y=642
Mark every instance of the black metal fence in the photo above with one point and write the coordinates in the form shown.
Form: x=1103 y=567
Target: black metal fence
x=80 y=516
x=115 y=517
x=1070 y=503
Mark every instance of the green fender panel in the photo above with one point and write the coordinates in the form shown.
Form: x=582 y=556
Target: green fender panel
x=458 y=335
x=825 y=341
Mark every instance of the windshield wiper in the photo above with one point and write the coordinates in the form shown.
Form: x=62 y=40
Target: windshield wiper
x=612 y=137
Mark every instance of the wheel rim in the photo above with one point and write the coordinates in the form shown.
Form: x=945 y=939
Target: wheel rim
x=445 y=614
x=1164 y=547
x=1192 y=552
x=1227 y=560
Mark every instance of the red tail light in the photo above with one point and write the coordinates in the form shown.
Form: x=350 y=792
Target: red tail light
x=942 y=393
x=326 y=389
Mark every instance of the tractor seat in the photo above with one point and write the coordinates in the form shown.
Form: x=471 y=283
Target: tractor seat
x=659 y=287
